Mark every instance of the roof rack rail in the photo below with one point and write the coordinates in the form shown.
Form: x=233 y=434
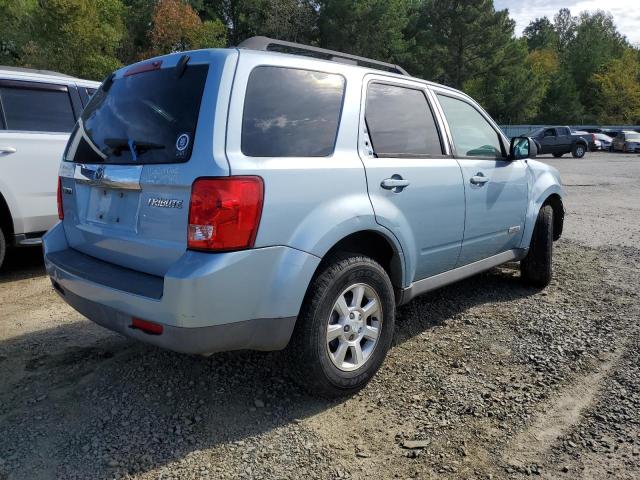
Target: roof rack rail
x=270 y=44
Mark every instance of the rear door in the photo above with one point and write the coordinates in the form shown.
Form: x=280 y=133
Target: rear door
x=36 y=119
x=414 y=184
x=496 y=189
x=133 y=156
x=564 y=139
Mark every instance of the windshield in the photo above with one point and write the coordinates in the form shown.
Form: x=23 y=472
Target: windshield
x=148 y=117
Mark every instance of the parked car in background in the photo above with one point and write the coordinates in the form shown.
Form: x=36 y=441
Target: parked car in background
x=38 y=110
x=603 y=142
x=243 y=198
x=626 y=141
x=612 y=133
x=559 y=141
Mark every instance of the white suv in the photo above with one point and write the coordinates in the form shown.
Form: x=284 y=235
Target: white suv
x=38 y=110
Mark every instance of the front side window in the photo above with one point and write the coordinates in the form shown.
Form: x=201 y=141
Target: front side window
x=35 y=109
x=290 y=112
x=400 y=122
x=473 y=135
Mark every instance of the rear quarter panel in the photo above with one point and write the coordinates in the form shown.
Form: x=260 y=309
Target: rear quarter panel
x=310 y=203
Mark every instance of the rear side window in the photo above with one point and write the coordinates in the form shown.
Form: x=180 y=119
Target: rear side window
x=33 y=108
x=291 y=113
x=146 y=117
x=473 y=135
x=400 y=122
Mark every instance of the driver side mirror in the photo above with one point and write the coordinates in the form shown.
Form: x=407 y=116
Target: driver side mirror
x=523 y=147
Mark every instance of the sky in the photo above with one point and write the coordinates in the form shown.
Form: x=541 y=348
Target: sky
x=626 y=13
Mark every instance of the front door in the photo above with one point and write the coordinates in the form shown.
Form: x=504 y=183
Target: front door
x=495 y=188
x=414 y=184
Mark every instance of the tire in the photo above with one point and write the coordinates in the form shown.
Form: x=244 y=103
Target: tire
x=315 y=358
x=536 y=267
x=3 y=247
x=578 y=150
x=558 y=155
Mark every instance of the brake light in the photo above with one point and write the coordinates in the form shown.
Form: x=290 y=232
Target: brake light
x=147 y=327
x=60 y=209
x=224 y=213
x=143 y=67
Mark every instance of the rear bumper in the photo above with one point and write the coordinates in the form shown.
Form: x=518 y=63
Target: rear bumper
x=206 y=302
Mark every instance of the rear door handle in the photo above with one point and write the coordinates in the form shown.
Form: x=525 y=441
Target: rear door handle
x=7 y=150
x=395 y=183
x=479 y=179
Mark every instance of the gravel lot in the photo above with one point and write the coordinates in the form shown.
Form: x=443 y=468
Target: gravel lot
x=487 y=378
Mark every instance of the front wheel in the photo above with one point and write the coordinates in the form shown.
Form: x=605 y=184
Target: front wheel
x=536 y=267
x=578 y=150
x=345 y=327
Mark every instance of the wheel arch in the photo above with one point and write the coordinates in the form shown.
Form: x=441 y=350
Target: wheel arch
x=546 y=189
x=375 y=244
x=555 y=201
x=6 y=221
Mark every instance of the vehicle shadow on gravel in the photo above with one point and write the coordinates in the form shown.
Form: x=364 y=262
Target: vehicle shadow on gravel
x=22 y=263
x=96 y=405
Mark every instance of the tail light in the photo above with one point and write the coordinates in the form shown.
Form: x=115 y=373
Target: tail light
x=224 y=213
x=60 y=209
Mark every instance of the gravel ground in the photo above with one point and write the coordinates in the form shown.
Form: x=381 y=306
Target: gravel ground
x=487 y=378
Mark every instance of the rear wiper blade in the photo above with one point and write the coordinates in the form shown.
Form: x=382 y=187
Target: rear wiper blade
x=117 y=145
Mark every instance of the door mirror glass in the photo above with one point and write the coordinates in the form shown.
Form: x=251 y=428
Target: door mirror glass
x=523 y=147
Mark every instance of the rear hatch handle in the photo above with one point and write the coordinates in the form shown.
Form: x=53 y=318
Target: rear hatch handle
x=126 y=177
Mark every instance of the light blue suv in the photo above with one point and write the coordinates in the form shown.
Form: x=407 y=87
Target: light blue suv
x=276 y=195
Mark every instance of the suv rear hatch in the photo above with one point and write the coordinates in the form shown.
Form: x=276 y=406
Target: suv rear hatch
x=130 y=163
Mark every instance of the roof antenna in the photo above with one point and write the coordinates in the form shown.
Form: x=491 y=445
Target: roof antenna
x=182 y=65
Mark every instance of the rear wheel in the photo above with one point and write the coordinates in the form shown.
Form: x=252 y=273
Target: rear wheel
x=3 y=247
x=579 y=150
x=345 y=327
x=536 y=267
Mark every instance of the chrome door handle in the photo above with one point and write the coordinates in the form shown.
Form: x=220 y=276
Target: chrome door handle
x=7 y=150
x=395 y=183
x=479 y=179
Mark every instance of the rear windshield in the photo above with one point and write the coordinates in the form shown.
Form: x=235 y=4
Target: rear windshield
x=148 y=117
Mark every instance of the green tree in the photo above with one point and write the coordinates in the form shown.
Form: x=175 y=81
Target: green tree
x=540 y=34
x=292 y=20
x=618 y=90
x=78 y=37
x=561 y=104
x=371 y=28
x=514 y=93
x=138 y=21
x=15 y=16
x=565 y=27
x=460 y=40
x=596 y=42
